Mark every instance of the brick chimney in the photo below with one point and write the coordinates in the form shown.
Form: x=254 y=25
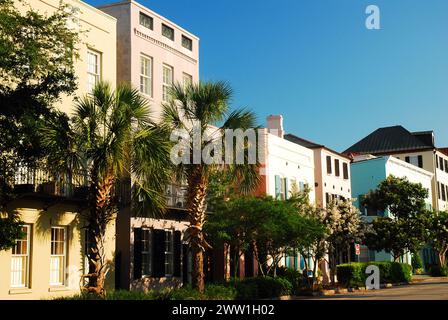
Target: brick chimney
x=275 y=125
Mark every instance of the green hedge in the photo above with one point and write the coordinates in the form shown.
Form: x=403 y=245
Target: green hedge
x=438 y=271
x=262 y=288
x=354 y=274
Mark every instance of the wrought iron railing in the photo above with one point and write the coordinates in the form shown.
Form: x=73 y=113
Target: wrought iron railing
x=37 y=180
x=176 y=196
x=34 y=179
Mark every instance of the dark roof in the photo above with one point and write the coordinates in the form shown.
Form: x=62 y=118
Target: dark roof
x=393 y=139
x=301 y=141
x=308 y=144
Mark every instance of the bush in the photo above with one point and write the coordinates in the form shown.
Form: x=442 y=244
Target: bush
x=294 y=277
x=353 y=274
x=417 y=262
x=438 y=271
x=400 y=272
x=212 y=292
x=262 y=288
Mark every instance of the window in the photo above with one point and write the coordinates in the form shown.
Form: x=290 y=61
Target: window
x=345 y=170
x=327 y=198
x=187 y=43
x=329 y=165
x=146 y=75
x=441 y=162
x=415 y=160
x=167 y=32
x=58 y=256
x=146 y=21
x=167 y=81
x=187 y=79
x=146 y=252
x=169 y=261
x=443 y=192
x=336 y=167
x=20 y=260
x=446 y=166
x=93 y=70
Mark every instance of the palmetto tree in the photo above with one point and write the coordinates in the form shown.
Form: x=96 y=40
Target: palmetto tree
x=204 y=108
x=112 y=137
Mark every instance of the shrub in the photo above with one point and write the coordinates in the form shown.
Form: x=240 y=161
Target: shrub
x=400 y=272
x=219 y=292
x=212 y=292
x=417 y=262
x=438 y=271
x=262 y=287
x=353 y=274
x=294 y=277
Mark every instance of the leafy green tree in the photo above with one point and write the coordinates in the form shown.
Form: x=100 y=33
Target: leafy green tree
x=438 y=234
x=406 y=230
x=112 y=137
x=198 y=110
x=263 y=224
x=36 y=68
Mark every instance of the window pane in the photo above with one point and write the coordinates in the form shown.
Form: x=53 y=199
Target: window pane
x=20 y=260
x=187 y=43
x=187 y=79
x=146 y=21
x=168 y=32
x=58 y=255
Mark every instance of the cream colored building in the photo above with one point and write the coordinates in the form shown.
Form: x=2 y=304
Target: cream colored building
x=332 y=172
x=50 y=259
x=416 y=148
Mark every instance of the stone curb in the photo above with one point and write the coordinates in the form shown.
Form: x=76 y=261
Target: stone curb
x=359 y=289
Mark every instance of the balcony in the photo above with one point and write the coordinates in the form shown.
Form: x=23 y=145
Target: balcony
x=176 y=196
x=36 y=180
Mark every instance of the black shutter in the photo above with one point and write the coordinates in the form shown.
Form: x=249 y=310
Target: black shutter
x=158 y=249
x=420 y=161
x=137 y=253
x=185 y=266
x=177 y=253
x=407 y=159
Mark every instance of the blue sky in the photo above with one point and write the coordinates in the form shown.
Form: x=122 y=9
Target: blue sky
x=314 y=62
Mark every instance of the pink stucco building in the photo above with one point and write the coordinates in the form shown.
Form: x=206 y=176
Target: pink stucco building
x=152 y=51
x=152 y=54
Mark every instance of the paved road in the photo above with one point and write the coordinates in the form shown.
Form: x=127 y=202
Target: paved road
x=428 y=290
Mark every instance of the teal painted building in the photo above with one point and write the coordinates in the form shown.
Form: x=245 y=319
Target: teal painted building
x=367 y=173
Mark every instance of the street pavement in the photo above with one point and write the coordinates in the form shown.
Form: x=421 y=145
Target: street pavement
x=424 y=289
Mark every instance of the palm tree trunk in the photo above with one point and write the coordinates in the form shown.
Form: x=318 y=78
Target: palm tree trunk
x=197 y=191
x=101 y=213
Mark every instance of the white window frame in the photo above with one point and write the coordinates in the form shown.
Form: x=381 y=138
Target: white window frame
x=146 y=75
x=167 y=81
x=283 y=191
x=21 y=261
x=55 y=257
x=148 y=252
x=187 y=79
x=96 y=73
x=169 y=253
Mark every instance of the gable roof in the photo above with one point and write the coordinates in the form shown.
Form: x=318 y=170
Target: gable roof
x=309 y=144
x=393 y=139
x=302 y=142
